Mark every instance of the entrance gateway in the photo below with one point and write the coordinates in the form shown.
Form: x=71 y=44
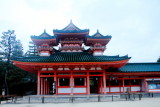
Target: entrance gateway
x=75 y=69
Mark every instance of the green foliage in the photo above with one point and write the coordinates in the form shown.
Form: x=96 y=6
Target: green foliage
x=17 y=49
x=2 y=73
x=8 y=40
x=32 y=50
x=12 y=78
x=19 y=82
x=9 y=46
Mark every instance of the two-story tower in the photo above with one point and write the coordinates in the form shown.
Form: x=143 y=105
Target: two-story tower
x=65 y=66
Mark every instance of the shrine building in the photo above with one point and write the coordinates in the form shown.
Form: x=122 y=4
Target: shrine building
x=66 y=66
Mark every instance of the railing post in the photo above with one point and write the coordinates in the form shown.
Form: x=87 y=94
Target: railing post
x=29 y=99
x=112 y=97
x=134 y=96
x=139 y=96
x=72 y=99
x=126 y=97
x=15 y=99
x=99 y=98
x=43 y=99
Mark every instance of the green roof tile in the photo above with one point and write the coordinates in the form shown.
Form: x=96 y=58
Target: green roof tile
x=98 y=35
x=71 y=57
x=140 y=67
x=44 y=35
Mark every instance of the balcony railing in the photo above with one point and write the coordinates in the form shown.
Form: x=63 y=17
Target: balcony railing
x=44 y=48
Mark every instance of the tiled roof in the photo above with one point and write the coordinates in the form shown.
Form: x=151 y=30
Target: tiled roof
x=71 y=31
x=71 y=57
x=44 y=35
x=141 y=67
x=39 y=37
x=71 y=28
x=98 y=35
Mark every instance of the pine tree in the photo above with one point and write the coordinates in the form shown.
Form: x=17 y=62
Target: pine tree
x=32 y=50
x=158 y=59
x=9 y=48
x=7 y=44
x=17 y=49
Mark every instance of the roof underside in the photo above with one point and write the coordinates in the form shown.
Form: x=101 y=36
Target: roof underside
x=72 y=57
x=140 y=67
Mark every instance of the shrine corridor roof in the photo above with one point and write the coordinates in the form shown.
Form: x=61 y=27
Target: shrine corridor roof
x=71 y=57
x=140 y=67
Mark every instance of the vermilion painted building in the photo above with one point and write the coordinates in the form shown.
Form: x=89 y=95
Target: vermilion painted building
x=72 y=69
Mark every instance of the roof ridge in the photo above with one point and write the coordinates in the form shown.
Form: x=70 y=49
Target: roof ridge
x=71 y=26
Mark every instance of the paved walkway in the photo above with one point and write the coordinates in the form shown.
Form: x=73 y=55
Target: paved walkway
x=145 y=102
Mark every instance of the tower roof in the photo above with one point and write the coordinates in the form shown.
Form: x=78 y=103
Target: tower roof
x=98 y=38
x=44 y=38
x=44 y=35
x=71 y=28
x=98 y=35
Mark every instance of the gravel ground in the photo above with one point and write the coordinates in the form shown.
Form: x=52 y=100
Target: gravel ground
x=145 y=102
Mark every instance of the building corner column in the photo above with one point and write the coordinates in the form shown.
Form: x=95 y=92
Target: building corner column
x=104 y=82
x=38 y=83
x=88 y=84
x=72 y=83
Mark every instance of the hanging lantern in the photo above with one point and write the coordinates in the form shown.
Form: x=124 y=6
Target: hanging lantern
x=134 y=81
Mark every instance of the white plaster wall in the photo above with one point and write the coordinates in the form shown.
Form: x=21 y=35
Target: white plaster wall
x=121 y=89
x=64 y=90
x=135 y=88
x=44 y=54
x=79 y=90
x=125 y=89
x=50 y=69
x=98 y=53
x=150 y=79
x=107 y=89
x=155 y=90
x=115 y=89
x=143 y=86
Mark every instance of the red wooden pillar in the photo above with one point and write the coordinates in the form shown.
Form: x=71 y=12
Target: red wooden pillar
x=44 y=86
x=146 y=85
x=123 y=84
x=130 y=87
x=71 y=83
x=104 y=82
x=56 y=83
x=109 y=85
x=41 y=86
x=48 y=87
x=38 y=84
x=88 y=83
x=101 y=85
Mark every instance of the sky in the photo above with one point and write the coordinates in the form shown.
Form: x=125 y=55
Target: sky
x=133 y=24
